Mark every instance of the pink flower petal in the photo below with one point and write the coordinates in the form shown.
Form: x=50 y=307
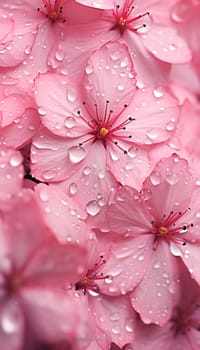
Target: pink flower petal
x=54 y=264
x=51 y=313
x=170 y=183
x=12 y=107
x=100 y=4
x=11 y=174
x=55 y=158
x=57 y=99
x=115 y=317
x=127 y=264
x=21 y=130
x=190 y=256
x=165 y=44
x=156 y=115
x=61 y=214
x=158 y=292
x=111 y=65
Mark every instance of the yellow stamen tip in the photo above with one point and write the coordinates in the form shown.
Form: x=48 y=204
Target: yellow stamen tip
x=103 y=132
x=163 y=230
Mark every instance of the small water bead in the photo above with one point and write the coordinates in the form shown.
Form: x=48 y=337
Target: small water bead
x=156 y=265
x=69 y=122
x=89 y=70
x=15 y=160
x=93 y=208
x=152 y=134
x=42 y=111
x=170 y=126
x=172 y=178
x=141 y=257
x=129 y=325
x=116 y=329
x=108 y=279
x=155 y=178
x=158 y=93
x=49 y=174
x=73 y=188
x=59 y=55
x=77 y=154
x=44 y=195
x=87 y=171
x=71 y=95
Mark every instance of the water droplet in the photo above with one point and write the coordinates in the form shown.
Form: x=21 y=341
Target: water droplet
x=15 y=160
x=87 y=170
x=156 y=265
x=69 y=122
x=59 y=55
x=42 y=111
x=27 y=50
x=141 y=257
x=77 y=154
x=93 y=208
x=116 y=330
x=129 y=325
x=115 y=55
x=49 y=174
x=155 y=178
x=146 y=193
x=108 y=279
x=115 y=316
x=71 y=94
x=132 y=152
x=73 y=188
x=170 y=126
x=152 y=134
x=158 y=93
x=43 y=195
x=89 y=70
x=10 y=320
x=120 y=87
x=172 y=178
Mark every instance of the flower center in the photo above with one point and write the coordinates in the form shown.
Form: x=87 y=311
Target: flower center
x=124 y=18
x=88 y=282
x=106 y=127
x=169 y=229
x=52 y=9
x=182 y=320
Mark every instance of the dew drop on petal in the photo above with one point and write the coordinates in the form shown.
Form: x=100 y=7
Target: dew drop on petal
x=158 y=93
x=156 y=265
x=172 y=178
x=49 y=174
x=170 y=126
x=15 y=160
x=43 y=195
x=116 y=329
x=42 y=111
x=59 y=55
x=129 y=325
x=69 y=122
x=93 y=208
x=108 y=279
x=155 y=178
x=77 y=154
x=87 y=170
x=132 y=152
x=89 y=70
x=10 y=321
x=73 y=188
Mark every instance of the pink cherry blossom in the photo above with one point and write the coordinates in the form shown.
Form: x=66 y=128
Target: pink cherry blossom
x=150 y=36
x=34 y=268
x=158 y=225
x=115 y=124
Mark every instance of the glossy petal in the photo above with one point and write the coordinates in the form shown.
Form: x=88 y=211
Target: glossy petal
x=158 y=292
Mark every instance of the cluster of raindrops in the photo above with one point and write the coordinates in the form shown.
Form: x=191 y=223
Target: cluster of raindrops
x=99 y=175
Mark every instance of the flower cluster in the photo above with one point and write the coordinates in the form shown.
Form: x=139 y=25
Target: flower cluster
x=99 y=175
